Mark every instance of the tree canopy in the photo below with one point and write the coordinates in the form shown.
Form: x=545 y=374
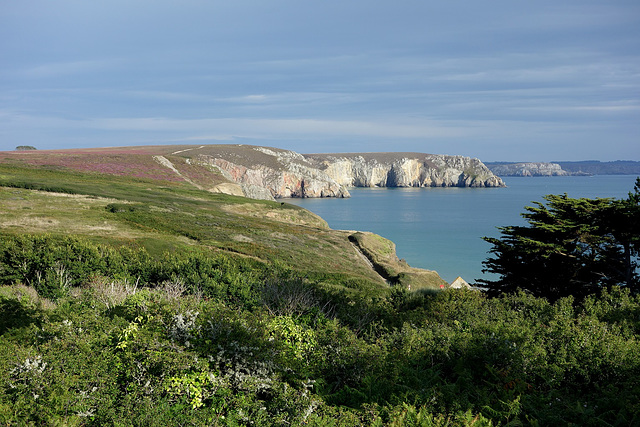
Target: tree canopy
x=569 y=247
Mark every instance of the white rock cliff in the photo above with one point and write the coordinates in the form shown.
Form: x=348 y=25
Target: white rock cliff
x=406 y=170
x=271 y=173
x=528 y=169
x=285 y=174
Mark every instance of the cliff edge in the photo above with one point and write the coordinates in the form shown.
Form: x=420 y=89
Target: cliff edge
x=405 y=170
x=527 y=169
x=273 y=173
x=381 y=253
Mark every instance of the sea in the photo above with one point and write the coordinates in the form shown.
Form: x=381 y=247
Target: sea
x=441 y=229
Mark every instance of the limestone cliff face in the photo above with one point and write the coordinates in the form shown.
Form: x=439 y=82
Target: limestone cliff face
x=271 y=173
x=280 y=174
x=528 y=169
x=406 y=170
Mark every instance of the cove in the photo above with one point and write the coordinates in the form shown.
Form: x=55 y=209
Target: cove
x=442 y=228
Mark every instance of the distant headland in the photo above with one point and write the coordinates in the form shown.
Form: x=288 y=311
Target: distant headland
x=580 y=168
x=272 y=173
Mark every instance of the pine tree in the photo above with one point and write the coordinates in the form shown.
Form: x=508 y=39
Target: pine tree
x=569 y=247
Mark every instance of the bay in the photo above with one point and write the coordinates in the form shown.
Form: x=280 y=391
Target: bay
x=442 y=228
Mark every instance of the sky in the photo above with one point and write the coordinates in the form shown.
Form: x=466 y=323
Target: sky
x=544 y=80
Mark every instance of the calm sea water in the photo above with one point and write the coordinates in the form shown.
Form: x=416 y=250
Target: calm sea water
x=441 y=228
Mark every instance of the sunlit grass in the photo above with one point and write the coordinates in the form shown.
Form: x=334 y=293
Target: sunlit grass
x=164 y=215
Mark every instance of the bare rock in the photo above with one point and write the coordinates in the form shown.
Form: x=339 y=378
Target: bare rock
x=528 y=169
x=406 y=170
x=272 y=173
x=282 y=174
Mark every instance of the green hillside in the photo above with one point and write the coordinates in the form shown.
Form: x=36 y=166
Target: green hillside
x=126 y=196
x=132 y=296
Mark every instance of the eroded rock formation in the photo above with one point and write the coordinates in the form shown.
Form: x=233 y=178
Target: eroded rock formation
x=268 y=173
x=528 y=169
x=281 y=174
x=406 y=170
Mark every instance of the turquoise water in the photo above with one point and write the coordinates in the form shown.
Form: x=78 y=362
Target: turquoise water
x=441 y=228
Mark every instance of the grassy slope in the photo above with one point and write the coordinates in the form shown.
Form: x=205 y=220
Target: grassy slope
x=108 y=354
x=382 y=254
x=120 y=197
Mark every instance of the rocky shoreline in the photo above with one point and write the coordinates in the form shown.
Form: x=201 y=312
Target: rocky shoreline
x=271 y=173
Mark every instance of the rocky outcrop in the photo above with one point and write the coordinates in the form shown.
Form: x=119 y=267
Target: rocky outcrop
x=284 y=174
x=527 y=169
x=271 y=173
x=406 y=170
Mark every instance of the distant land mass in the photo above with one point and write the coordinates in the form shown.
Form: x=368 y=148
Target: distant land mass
x=269 y=173
x=527 y=169
x=595 y=167
x=588 y=167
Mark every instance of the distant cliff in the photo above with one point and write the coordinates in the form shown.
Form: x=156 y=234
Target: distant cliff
x=405 y=170
x=588 y=167
x=527 y=169
x=267 y=173
x=594 y=167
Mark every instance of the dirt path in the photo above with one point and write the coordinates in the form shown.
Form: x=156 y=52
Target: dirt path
x=165 y=162
x=368 y=261
x=187 y=149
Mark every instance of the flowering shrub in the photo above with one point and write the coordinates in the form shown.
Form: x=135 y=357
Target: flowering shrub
x=470 y=360
x=183 y=328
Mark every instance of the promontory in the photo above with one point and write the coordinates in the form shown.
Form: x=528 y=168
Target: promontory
x=285 y=173
x=271 y=173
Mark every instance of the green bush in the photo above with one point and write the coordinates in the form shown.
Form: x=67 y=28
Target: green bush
x=200 y=338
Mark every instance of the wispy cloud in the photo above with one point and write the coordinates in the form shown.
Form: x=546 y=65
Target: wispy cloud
x=160 y=95
x=560 y=76
x=56 y=69
x=274 y=128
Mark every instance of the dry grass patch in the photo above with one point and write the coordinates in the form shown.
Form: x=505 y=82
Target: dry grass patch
x=277 y=212
x=112 y=293
x=32 y=211
x=28 y=294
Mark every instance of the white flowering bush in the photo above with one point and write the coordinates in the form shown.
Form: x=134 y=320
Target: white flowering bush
x=232 y=357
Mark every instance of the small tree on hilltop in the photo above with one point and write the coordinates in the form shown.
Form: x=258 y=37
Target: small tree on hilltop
x=25 y=147
x=570 y=247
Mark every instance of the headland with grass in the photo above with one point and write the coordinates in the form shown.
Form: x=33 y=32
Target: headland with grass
x=139 y=289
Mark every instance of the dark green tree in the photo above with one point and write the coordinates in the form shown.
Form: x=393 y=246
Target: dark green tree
x=624 y=224
x=569 y=247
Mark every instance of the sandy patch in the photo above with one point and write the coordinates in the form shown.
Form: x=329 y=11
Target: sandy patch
x=36 y=222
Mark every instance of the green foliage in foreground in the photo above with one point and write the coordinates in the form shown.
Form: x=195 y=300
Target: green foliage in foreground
x=196 y=338
x=570 y=247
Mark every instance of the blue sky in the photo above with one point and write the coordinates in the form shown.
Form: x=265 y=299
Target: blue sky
x=499 y=80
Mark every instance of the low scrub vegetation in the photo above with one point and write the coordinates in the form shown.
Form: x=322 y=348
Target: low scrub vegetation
x=94 y=335
x=196 y=310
